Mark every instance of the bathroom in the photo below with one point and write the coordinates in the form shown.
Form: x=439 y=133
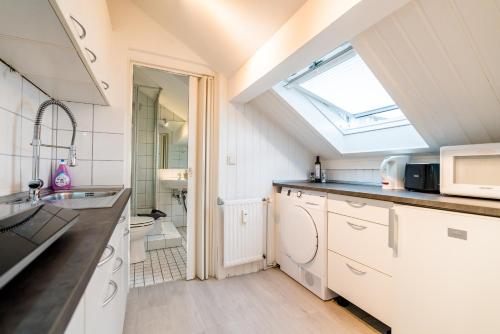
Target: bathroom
x=159 y=205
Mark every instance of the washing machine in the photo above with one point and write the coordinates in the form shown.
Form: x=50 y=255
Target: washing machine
x=302 y=245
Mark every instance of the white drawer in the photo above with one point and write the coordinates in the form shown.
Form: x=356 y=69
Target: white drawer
x=361 y=241
x=365 y=287
x=361 y=208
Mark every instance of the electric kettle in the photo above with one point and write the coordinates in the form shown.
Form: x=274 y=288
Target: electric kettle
x=392 y=170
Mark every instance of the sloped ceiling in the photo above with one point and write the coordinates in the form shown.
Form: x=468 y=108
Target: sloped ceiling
x=283 y=114
x=223 y=32
x=440 y=61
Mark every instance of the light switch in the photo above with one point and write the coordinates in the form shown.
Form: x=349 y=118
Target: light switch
x=244 y=216
x=231 y=160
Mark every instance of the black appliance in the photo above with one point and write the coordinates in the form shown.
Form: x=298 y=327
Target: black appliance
x=26 y=231
x=422 y=177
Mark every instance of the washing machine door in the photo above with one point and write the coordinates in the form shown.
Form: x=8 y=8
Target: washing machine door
x=299 y=235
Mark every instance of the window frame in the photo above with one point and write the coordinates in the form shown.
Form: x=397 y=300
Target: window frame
x=339 y=55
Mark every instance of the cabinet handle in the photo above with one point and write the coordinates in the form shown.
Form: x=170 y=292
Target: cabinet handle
x=355 y=204
x=393 y=232
x=354 y=270
x=122 y=219
x=310 y=203
x=94 y=57
x=126 y=232
x=84 y=31
x=105 y=84
x=356 y=226
x=119 y=266
x=109 y=257
x=113 y=294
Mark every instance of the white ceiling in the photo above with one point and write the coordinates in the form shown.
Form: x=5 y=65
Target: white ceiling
x=225 y=33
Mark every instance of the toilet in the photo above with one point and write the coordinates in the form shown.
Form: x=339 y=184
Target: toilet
x=139 y=227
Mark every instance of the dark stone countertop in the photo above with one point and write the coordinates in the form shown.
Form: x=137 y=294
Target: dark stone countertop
x=43 y=297
x=476 y=206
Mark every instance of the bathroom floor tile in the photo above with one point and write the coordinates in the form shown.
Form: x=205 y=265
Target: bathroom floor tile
x=161 y=265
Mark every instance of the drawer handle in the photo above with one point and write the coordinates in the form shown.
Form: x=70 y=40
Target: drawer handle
x=354 y=270
x=310 y=203
x=356 y=205
x=84 y=31
x=122 y=219
x=113 y=294
x=105 y=85
x=393 y=232
x=94 y=57
x=109 y=257
x=119 y=266
x=356 y=226
x=126 y=232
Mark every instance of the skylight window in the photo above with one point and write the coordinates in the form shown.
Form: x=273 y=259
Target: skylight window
x=348 y=94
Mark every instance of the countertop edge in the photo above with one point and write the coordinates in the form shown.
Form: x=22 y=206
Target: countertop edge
x=446 y=203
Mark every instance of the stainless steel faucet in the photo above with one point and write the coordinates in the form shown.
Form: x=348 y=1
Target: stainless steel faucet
x=36 y=183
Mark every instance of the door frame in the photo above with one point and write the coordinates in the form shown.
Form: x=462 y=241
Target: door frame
x=205 y=216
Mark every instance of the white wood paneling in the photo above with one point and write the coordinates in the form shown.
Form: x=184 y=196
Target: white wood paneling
x=439 y=62
x=261 y=152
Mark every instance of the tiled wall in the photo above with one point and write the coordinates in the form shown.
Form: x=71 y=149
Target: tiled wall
x=99 y=139
x=144 y=123
x=167 y=202
x=99 y=144
x=19 y=101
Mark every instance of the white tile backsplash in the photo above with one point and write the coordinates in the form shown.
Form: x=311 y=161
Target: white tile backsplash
x=10 y=177
x=107 y=173
x=81 y=174
x=27 y=136
x=83 y=113
x=108 y=146
x=83 y=142
x=10 y=133
x=19 y=102
x=26 y=170
x=11 y=89
x=108 y=119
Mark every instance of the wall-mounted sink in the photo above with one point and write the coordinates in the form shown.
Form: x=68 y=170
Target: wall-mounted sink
x=180 y=184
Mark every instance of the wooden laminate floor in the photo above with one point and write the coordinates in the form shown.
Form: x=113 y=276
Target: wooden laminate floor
x=264 y=302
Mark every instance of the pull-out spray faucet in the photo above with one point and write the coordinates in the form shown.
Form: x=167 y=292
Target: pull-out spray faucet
x=36 y=183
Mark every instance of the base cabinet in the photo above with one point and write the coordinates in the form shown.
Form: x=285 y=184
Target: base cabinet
x=102 y=307
x=446 y=275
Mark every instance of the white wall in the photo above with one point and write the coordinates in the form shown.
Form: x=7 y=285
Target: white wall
x=262 y=152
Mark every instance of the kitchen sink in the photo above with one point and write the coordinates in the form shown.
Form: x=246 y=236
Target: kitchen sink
x=59 y=196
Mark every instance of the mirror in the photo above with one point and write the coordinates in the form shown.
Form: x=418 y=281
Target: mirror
x=163 y=151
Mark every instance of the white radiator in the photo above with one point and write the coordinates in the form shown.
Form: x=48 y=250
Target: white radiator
x=244 y=231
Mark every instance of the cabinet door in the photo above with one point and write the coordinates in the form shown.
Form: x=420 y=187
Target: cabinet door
x=89 y=24
x=447 y=273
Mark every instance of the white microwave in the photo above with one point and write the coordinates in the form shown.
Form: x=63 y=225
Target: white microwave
x=471 y=170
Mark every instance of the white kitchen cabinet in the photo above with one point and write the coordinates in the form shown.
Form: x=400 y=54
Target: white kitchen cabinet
x=360 y=263
x=446 y=273
x=361 y=285
x=47 y=49
x=89 y=27
x=102 y=307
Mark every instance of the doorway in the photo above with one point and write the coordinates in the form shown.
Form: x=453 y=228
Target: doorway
x=164 y=182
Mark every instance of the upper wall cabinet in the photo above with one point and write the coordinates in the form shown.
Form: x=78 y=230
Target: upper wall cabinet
x=62 y=46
